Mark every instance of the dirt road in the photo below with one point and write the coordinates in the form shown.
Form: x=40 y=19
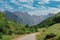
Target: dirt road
x=28 y=37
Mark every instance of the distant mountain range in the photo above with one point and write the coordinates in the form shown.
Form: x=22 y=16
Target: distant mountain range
x=25 y=18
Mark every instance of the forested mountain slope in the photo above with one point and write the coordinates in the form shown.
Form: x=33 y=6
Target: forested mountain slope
x=49 y=21
x=25 y=18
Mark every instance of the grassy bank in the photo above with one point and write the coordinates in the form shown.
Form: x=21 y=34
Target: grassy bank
x=9 y=37
x=52 y=30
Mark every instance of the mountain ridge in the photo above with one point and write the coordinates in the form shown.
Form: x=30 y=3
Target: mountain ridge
x=25 y=18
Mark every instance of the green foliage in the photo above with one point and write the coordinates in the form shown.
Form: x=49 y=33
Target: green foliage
x=50 y=21
x=53 y=31
x=58 y=38
x=9 y=28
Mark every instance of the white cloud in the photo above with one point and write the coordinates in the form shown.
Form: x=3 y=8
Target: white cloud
x=13 y=1
x=58 y=6
x=6 y=6
x=43 y=1
x=26 y=0
x=45 y=11
x=30 y=7
x=23 y=0
x=1 y=9
x=39 y=12
x=54 y=0
x=29 y=4
x=53 y=10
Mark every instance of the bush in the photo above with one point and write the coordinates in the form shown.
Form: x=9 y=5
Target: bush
x=49 y=36
x=58 y=38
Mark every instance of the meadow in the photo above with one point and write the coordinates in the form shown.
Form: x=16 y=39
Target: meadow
x=52 y=30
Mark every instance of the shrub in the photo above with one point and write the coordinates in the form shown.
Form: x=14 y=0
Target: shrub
x=49 y=36
x=58 y=38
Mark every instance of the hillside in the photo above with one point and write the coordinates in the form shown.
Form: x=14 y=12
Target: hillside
x=52 y=31
x=9 y=28
x=50 y=28
x=49 y=21
x=25 y=18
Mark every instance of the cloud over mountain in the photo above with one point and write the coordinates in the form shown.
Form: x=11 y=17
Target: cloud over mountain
x=33 y=7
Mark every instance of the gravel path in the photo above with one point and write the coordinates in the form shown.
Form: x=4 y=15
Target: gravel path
x=28 y=37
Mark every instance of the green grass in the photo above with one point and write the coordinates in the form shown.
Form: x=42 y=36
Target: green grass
x=55 y=29
x=9 y=37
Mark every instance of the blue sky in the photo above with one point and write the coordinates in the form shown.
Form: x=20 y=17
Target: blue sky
x=33 y=7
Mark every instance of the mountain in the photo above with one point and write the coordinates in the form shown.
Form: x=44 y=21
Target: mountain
x=11 y=16
x=39 y=19
x=25 y=18
x=49 y=21
x=9 y=27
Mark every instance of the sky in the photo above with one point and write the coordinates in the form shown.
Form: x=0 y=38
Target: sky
x=33 y=7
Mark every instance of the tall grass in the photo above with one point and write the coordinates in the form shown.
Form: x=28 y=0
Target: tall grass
x=55 y=29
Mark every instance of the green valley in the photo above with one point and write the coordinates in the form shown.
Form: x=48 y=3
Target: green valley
x=9 y=29
x=49 y=28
